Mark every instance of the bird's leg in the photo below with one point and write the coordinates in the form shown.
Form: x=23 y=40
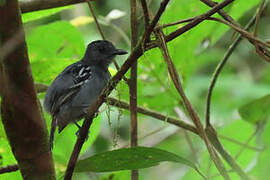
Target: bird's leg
x=79 y=128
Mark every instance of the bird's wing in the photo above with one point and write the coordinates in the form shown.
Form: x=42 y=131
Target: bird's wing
x=83 y=98
x=90 y=90
x=65 y=86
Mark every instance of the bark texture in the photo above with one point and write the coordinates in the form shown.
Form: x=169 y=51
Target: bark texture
x=20 y=109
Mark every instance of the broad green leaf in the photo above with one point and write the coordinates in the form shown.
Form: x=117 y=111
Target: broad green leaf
x=55 y=40
x=31 y=16
x=256 y=111
x=128 y=159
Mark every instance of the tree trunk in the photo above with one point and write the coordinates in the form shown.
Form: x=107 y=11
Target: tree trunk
x=21 y=113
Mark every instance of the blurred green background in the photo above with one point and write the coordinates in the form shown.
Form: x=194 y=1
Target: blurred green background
x=58 y=37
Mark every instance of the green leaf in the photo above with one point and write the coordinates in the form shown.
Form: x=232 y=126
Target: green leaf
x=128 y=159
x=62 y=41
x=31 y=16
x=256 y=110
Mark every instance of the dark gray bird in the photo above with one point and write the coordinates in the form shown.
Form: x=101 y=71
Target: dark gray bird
x=79 y=85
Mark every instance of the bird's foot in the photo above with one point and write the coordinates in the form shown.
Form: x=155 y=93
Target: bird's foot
x=78 y=132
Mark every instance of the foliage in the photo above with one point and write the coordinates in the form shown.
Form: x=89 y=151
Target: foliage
x=53 y=43
x=128 y=159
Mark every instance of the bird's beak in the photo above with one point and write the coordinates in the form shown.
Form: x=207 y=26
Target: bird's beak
x=119 y=52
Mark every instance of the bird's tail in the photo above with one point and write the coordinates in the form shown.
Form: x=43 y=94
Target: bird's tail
x=53 y=127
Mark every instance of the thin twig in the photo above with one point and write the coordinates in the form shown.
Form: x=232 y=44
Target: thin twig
x=258 y=16
x=133 y=84
x=220 y=67
x=263 y=52
x=177 y=122
x=148 y=112
x=240 y=143
x=95 y=19
x=190 y=25
x=249 y=36
x=227 y=17
x=198 y=20
x=145 y=14
x=245 y=144
x=260 y=46
x=101 y=33
x=177 y=22
x=192 y=113
x=180 y=113
x=135 y=54
x=10 y=168
x=212 y=135
x=154 y=22
x=154 y=114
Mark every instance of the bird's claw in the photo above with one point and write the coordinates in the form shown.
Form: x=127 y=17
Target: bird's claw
x=78 y=133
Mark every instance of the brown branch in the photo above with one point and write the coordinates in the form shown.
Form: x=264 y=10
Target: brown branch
x=212 y=135
x=249 y=36
x=198 y=20
x=240 y=143
x=180 y=114
x=95 y=19
x=154 y=114
x=227 y=17
x=258 y=16
x=154 y=22
x=10 y=168
x=35 y=5
x=220 y=67
x=21 y=113
x=133 y=84
x=179 y=123
x=145 y=14
x=135 y=54
x=190 y=25
x=246 y=143
x=192 y=113
x=185 y=126
x=177 y=22
x=148 y=112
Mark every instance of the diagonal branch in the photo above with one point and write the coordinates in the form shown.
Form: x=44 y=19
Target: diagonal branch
x=192 y=113
x=227 y=17
x=10 y=168
x=192 y=24
x=135 y=54
x=154 y=114
x=198 y=20
x=220 y=67
x=35 y=5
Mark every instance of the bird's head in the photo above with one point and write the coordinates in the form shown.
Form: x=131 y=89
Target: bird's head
x=101 y=52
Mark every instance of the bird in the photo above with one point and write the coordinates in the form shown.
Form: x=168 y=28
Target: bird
x=79 y=85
